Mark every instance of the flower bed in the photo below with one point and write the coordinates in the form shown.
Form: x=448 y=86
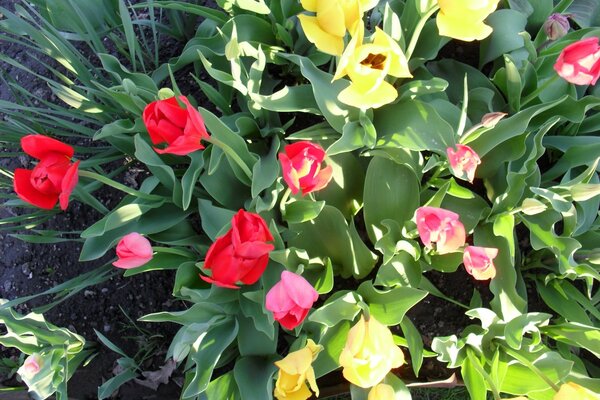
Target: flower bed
x=343 y=173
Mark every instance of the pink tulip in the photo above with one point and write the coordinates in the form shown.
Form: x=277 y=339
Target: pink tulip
x=133 y=251
x=463 y=161
x=290 y=299
x=31 y=366
x=579 y=62
x=302 y=169
x=478 y=262
x=442 y=227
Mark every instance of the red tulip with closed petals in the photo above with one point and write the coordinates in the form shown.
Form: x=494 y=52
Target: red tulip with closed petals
x=53 y=178
x=290 y=299
x=301 y=165
x=181 y=129
x=463 y=161
x=479 y=262
x=242 y=254
x=133 y=251
x=442 y=227
x=579 y=63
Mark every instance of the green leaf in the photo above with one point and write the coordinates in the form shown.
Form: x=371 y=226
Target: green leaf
x=190 y=178
x=160 y=261
x=338 y=308
x=519 y=378
x=224 y=387
x=414 y=125
x=506 y=24
x=415 y=344
x=206 y=354
x=575 y=334
x=213 y=218
x=585 y=12
x=325 y=92
x=255 y=376
x=302 y=210
x=390 y=305
x=266 y=170
x=391 y=192
x=471 y=372
x=333 y=341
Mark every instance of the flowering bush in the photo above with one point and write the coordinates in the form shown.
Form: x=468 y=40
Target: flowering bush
x=347 y=156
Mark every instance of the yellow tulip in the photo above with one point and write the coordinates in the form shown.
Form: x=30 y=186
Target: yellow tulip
x=294 y=370
x=382 y=392
x=333 y=18
x=369 y=353
x=367 y=66
x=463 y=19
x=573 y=391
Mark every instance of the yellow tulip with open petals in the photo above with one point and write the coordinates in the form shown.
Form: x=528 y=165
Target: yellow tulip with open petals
x=333 y=19
x=369 y=353
x=367 y=66
x=382 y=392
x=463 y=19
x=294 y=371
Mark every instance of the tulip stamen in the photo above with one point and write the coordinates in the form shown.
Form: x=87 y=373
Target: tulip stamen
x=374 y=61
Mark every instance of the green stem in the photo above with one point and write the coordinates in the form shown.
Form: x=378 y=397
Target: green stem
x=420 y=25
x=119 y=186
x=531 y=366
x=537 y=91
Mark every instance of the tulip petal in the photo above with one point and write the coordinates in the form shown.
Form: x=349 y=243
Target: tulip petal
x=69 y=182
x=326 y=42
x=376 y=98
x=29 y=194
x=40 y=146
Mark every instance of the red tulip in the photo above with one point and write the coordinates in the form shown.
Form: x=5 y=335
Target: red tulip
x=579 y=63
x=479 y=262
x=463 y=161
x=53 y=178
x=242 y=254
x=290 y=299
x=442 y=227
x=133 y=251
x=301 y=165
x=181 y=129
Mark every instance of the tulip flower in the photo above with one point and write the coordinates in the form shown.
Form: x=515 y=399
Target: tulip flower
x=463 y=19
x=478 y=262
x=181 y=129
x=301 y=166
x=241 y=254
x=53 y=178
x=556 y=26
x=31 y=366
x=579 y=62
x=369 y=353
x=294 y=371
x=442 y=227
x=333 y=18
x=463 y=161
x=133 y=251
x=573 y=391
x=382 y=392
x=290 y=299
x=368 y=65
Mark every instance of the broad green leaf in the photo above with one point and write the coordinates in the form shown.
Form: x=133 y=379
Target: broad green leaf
x=333 y=342
x=190 y=178
x=300 y=211
x=391 y=192
x=389 y=306
x=413 y=124
x=255 y=376
x=342 y=307
x=505 y=37
x=575 y=334
x=415 y=344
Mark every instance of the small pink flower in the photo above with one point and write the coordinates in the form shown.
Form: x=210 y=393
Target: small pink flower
x=463 y=161
x=442 y=227
x=30 y=367
x=479 y=262
x=290 y=299
x=301 y=165
x=133 y=251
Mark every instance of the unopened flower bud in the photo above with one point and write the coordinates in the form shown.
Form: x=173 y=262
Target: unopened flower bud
x=556 y=26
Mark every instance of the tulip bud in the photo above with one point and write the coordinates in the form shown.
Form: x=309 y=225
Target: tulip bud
x=556 y=26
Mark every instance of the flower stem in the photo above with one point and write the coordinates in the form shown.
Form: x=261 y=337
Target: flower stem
x=284 y=199
x=420 y=25
x=119 y=186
